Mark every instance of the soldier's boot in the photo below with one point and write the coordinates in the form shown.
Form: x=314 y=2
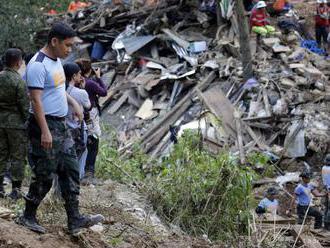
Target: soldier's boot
x=2 y=190
x=28 y=219
x=76 y=221
x=15 y=193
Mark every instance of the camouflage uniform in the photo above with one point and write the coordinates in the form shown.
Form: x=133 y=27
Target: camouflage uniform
x=14 y=105
x=60 y=160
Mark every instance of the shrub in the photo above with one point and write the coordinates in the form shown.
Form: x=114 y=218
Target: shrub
x=201 y=193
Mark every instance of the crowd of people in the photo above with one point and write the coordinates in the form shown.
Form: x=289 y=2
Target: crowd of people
x=51 y=117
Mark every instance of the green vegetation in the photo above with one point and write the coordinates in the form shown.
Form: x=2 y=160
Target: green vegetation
x=20 y=19
x=111 y=165
x=202 y=193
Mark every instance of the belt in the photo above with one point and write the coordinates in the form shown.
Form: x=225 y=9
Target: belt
x=51 y=117
x=54 y=118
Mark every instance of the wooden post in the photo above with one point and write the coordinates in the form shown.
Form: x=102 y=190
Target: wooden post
x=244 y=40
x=218 y=11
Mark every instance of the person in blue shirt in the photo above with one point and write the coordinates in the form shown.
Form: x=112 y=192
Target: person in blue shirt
x=326 y=183
x=269 y=204
x=303 y=196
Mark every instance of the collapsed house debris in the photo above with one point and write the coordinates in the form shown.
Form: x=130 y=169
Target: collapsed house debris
x=163 y=68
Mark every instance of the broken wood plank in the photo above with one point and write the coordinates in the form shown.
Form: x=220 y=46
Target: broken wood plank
x=145 y=112
x=154 y=134
x=104 y=101
x=171 y=34
x=266 y=102
x=308 y=239
x=114 y=108
x=256 y=139
x=221 y=107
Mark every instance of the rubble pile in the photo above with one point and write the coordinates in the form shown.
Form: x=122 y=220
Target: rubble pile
x=171 y=65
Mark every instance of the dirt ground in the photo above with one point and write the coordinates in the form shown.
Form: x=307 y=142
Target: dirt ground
x=130 y=222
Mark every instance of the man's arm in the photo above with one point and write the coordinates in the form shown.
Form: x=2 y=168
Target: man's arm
x=39 y=114
x=75 y=107
x=317 y=193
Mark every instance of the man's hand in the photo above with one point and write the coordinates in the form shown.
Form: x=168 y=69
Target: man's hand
x=46 y=140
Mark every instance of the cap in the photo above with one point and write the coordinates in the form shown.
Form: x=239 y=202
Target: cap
x=272 y=191
x=306 y=174
x=261 y=4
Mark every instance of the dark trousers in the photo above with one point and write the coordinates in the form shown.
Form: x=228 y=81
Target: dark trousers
x=321 y=34
x=61 y=159
x=301 y=211
x=93 y=149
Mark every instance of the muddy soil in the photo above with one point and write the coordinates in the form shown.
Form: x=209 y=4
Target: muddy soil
x=130 y=222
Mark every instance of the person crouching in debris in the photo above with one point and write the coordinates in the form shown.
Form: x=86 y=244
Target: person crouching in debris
x=269 y=204
x=75 y=88
x=259 y=23
x=303 y=196
x=326 y=183
x=14 y=105
x=322 y=23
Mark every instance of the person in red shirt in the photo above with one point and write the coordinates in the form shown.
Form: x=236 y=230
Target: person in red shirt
x=258 y=20
x=322 y=23
x=76 y=5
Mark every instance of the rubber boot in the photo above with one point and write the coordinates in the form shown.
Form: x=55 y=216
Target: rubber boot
x=76 y=221
x=2 y=190
x=29 y=220
x=16 y=190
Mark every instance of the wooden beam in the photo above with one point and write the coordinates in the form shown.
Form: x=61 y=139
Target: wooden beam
x=155 y=134
x=305 y=237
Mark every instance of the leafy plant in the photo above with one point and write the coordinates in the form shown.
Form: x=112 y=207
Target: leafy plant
x=204 y=195
x=123 y=168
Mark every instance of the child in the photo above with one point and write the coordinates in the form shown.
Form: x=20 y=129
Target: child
x=269 y=204
x=303 y=196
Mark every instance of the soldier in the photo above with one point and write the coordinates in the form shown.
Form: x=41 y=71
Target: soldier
x=51 y=148
x=13 y=115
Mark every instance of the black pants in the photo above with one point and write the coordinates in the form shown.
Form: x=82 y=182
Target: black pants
x=301 y=211
x=93 y=149
x=321 y=34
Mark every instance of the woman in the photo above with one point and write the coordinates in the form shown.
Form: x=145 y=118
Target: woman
x=75 y=88
x=95 y=88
